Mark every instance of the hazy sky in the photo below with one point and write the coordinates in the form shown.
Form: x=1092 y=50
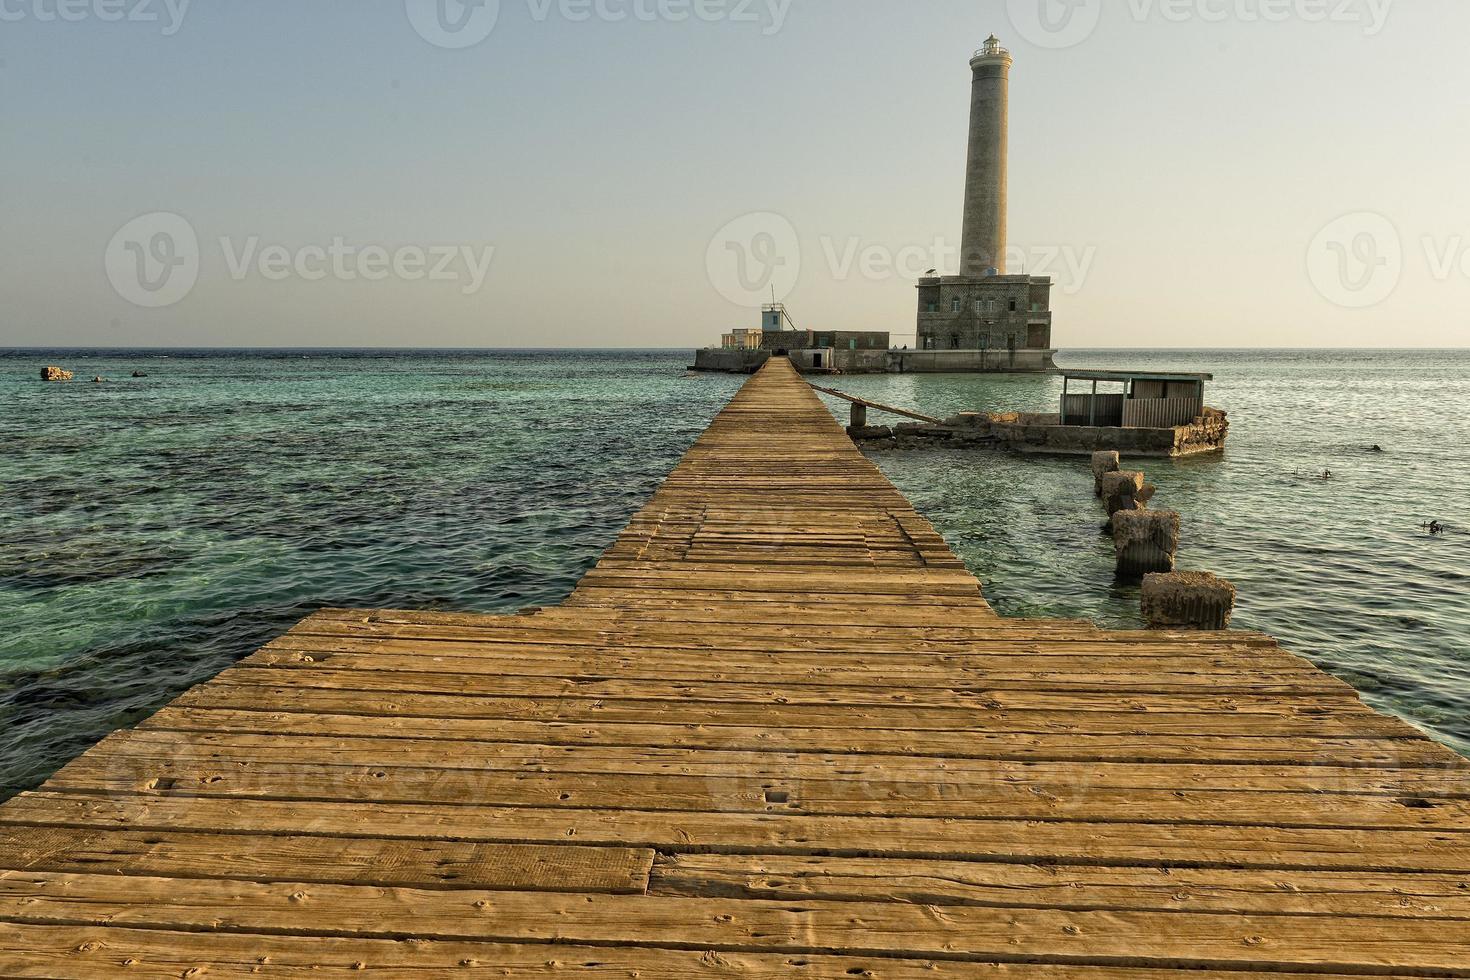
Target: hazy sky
x=642 y=172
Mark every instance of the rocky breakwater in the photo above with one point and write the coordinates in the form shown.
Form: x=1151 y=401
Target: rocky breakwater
x=1032 y=432
x=53 y=373
x=968 y=429
x=1205 y=434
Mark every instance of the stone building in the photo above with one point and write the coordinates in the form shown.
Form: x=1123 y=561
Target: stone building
x=998 y=313
x=842 y=340
x=742 y=339
x=818 y=351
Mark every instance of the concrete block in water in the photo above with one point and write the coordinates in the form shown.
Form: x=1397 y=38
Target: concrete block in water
x=1103 y=464
x=1123 y=490
x=1187 y=601
x=858 y=418
x=1145 y=540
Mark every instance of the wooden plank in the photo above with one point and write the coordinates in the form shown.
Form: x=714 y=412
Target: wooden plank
x=362 y=861
x=929 y=773
x=530 y=679
x=961 y=934
x=1003 y=674
x=34 y=952
x=851 y=785
x=902 y=412
x=623 y=592
x=1181 y=776
x=992 y=841
x=955 y=662
x=796 y=716
x=900 y=641
x=352 y=711
x=1295 y=683
x=942 y=883
x=947 y=666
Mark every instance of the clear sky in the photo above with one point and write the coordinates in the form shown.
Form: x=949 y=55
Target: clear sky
x=1275 y=173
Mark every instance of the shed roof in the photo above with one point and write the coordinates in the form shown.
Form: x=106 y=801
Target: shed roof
x=1135 y=376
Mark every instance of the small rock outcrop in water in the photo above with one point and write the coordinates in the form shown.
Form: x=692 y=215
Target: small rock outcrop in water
x=1188 y=601
x=98 y=380
x=53 y=373
x=139 y=374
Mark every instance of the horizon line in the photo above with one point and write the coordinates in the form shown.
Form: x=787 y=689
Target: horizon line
x=395 y=347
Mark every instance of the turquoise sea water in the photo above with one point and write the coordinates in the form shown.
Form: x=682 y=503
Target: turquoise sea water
x=155 y=530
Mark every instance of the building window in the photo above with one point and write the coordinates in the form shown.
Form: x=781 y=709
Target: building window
x=956 y=305
x=1013 y=306
x=979 y=306
x=931 y=308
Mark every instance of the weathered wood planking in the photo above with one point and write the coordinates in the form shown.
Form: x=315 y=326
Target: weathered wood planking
x=38 y=951
x=775 y=733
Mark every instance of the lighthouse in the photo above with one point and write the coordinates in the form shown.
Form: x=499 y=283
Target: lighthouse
x=983 y=244
x=985 y=318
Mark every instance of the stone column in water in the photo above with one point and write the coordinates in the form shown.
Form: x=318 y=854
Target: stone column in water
x=1145 y=541
x=1102 y=465
x=1188 y=601
x=984 y=237
x=1124 y=490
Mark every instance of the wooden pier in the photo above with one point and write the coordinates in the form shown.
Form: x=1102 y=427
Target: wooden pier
x=776 y=733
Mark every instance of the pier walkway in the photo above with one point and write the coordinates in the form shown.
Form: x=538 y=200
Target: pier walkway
x=776 y=733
